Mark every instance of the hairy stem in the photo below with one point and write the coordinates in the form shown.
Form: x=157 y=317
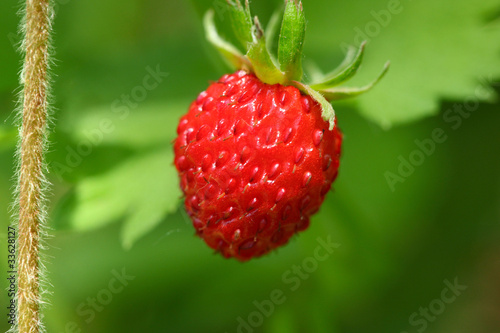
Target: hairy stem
x=34 y=77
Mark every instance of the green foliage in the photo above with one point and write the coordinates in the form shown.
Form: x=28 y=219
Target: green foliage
x=437 y=49
x=160 y=120
x=141 y=189
x=128 y=192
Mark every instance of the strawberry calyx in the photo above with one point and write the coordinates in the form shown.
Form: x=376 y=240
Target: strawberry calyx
x=286 y=69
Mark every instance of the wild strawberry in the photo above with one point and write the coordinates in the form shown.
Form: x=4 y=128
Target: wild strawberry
x=258 y=150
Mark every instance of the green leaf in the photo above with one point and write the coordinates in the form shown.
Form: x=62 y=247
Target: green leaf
x=349 y=71
x=334 y=94
x=291 y=41
x=438 y=50
x=141 y=191
x=125 y=126
x=162 y=198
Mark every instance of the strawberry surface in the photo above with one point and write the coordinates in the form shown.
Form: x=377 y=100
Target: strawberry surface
x=255 y=162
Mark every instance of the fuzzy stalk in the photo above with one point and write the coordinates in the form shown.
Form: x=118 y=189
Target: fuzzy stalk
x=32 y=143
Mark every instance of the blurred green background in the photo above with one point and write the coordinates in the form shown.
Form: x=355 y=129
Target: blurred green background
x=412 y=213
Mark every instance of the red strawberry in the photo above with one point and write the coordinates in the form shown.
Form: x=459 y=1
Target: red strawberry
x=258 y=150
x=255 y=161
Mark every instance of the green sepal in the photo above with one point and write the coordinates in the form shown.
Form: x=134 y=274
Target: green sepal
x=241 y=20
x=338 y=77
x=316 y=76
x=291 y=41
x=229 y=53
x=334 y=94
x=327 y=112
x=349 y=58
x=262 y=63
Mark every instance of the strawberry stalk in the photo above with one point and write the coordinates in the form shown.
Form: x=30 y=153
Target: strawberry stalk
x=287 y=69
x=32 y=182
